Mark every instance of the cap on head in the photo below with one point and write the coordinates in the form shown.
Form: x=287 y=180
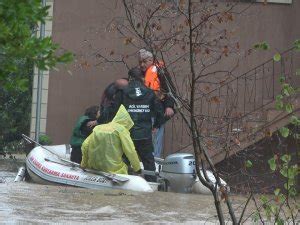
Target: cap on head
x=144 y=54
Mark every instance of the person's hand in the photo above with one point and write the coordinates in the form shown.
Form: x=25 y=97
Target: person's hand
x=139 y=173
x=91 y=124
x=81 y=167
x=169 y=112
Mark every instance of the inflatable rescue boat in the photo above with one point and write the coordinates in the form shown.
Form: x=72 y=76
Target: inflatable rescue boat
x=44 y=167
x=52 y=165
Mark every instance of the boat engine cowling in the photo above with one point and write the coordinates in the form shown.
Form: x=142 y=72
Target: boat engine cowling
x=179 y=172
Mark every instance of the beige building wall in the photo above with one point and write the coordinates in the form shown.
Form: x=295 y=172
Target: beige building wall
x=45 y=83
x=83 y=27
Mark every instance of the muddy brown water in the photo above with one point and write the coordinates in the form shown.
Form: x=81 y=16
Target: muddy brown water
x=23 y=203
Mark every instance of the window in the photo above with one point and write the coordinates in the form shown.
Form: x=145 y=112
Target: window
x=277 y=1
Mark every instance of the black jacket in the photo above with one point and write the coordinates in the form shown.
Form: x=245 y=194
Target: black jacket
x=108 y=107
x=142 y=105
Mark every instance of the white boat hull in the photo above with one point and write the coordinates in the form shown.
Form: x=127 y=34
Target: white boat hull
x=46 y=168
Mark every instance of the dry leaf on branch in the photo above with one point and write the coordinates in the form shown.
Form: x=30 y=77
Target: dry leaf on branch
x=237 y=142
x=128 y=40
x=215 y=99
x=163 y=5
x=268 y=133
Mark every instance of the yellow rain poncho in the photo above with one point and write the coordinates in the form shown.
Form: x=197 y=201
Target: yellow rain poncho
x=103 y=149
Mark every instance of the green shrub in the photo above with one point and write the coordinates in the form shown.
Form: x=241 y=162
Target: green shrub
x=45 y=140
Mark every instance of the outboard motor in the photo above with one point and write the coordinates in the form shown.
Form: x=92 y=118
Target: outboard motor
x=21 y=174
x=179 y=171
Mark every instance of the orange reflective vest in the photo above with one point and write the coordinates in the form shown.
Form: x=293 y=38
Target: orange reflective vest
x=151 y=78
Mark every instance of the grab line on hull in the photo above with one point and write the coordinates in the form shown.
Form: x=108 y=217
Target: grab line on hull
x=113 y=177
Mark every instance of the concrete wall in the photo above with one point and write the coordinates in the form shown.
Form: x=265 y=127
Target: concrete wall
x=83 y=27
x=78 y=26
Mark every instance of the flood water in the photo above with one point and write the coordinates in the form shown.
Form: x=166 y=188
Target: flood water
x=24 y=202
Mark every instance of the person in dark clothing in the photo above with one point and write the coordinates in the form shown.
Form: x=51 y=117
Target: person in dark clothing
x=82 y=130
x=142 y=105
x=158 y=80
x=107 y=100
x=108 y=108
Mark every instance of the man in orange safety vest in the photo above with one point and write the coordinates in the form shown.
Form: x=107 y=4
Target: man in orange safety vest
x=153 y=81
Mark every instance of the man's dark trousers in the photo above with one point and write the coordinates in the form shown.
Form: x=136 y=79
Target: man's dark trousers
x=144 y=149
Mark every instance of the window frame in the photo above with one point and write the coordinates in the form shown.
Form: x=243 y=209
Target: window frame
x=277 y=1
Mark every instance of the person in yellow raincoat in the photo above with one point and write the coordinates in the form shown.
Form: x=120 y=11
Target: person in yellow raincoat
x=103 y=148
